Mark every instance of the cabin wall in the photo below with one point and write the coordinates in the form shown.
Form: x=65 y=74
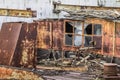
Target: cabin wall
x=50 y=34
x=44 y=34
x=107 y=36
x=57 y=32
x=108 y=40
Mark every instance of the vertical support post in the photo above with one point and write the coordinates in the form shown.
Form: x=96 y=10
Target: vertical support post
x=102 y=38
x=51 y=35
x=114 y=39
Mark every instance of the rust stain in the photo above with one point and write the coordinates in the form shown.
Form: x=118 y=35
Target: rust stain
x=8 y=40
x=53 y=36
x=49 y=34
x=18 y=42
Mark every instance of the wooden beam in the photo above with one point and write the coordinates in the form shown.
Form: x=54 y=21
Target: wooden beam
x=17 y=13
x=58 y=7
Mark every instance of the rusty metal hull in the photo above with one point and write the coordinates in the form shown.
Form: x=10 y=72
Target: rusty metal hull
x=18 y=44
x=8 y=39
x=51 y=35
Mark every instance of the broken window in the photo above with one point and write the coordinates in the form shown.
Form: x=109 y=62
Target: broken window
x=88 y=34
x=92 y=34
x=69 y=27
x=88 y=39
x=77 y=34
x=88 y=29
x=78 y=28
x=97 y=29
x=73 y=32
x=68 y=39
x=77 y=40
x=69 y=33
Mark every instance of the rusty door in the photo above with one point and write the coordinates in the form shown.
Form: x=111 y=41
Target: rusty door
x=26 y=46
x=8 y=40
x=117 y=42
x=18 y=42
x=44 y=38
x=108 y=38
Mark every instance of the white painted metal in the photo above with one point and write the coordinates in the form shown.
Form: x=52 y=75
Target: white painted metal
x=44 y=7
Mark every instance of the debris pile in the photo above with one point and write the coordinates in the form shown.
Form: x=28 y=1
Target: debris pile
x=87 y=63
x=85 y=13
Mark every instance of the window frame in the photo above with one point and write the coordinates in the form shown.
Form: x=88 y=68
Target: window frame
x=82 y=35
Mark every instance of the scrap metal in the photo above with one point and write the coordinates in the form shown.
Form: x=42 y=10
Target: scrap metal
x=18 y=41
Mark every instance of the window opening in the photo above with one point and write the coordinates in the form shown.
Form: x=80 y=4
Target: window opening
x=97 y=29
x=73 y=32
x=88 y=29
x=68 y=39
x=88 y=39
x=78 y=33
x=77 y=40
x=69 y=27
x=78 y=28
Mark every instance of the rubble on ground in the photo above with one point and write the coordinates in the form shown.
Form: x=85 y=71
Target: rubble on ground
x=17 y=74
x=88 y=67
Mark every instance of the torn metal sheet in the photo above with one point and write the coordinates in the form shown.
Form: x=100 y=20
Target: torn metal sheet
x=18 y=42
x=8 y=39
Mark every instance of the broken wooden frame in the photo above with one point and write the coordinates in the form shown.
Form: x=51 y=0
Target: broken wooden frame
x=58 y=7
x=83 y=12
